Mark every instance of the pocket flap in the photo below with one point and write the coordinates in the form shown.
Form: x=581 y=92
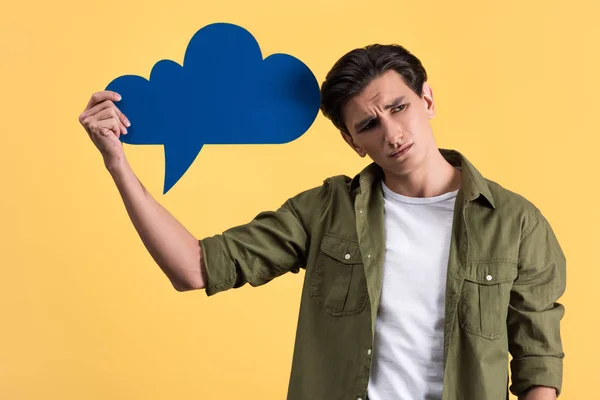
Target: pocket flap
x=343 y=250
x=491 y=273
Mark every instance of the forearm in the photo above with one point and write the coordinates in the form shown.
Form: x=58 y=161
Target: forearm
x=539 y=393
x=171 y=245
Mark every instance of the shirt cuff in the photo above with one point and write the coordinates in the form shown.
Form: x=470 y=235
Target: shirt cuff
x=536 y=371
x=220 y=268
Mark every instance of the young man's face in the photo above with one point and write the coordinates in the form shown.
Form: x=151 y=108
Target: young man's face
x=390 y=123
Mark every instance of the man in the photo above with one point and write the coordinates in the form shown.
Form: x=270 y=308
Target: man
x=421 y=275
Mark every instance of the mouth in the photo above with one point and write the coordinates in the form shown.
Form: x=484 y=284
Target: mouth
x=401 y=151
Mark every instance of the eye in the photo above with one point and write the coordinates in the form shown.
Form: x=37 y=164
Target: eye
x=368 y=126
x=401 y=107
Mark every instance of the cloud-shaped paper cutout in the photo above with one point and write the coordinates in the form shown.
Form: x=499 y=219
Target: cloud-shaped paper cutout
x=225 y=93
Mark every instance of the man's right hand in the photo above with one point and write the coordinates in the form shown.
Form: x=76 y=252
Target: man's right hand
x=176 y=251
x=104 y=123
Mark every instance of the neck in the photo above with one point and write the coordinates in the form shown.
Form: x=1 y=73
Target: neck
x=433 y=177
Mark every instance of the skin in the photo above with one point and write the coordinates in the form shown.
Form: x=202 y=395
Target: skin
x=422 y=171
x=174 y=249
x=396 y=116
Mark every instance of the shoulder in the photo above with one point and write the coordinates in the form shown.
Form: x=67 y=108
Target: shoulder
x=513 y=205
x=507 y=199
x=310 y=203
x=321 y=192
x=537 y=238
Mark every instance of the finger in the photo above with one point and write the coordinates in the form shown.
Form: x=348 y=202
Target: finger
x=98 y=101
x=105 y=127
x=97 y=108
x=102 y=106
x=124 y=120
x=113 y=112
x=105 y=114
x=99 y=97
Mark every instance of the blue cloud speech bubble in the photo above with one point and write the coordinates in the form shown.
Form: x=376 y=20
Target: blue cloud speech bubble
x=225 y=93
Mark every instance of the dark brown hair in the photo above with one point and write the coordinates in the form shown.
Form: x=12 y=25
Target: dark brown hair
x=356 y=69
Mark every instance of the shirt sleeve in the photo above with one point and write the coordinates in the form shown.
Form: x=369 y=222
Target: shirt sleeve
x=271 y=244
x=534 y=313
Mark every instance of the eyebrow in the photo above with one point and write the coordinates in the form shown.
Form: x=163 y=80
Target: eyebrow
x=395 y=103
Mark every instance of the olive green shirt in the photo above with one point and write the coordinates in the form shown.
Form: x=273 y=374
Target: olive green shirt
x=506 y=272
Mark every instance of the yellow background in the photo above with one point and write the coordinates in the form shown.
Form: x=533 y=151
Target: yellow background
x=86 y=314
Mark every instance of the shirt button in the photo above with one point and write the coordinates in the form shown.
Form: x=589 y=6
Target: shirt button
x=369 y=352
x=347 y=256
x=369 y=256
x=361 y=211
x=489 y=277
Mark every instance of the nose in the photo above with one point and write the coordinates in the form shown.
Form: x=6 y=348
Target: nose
x=392 y=132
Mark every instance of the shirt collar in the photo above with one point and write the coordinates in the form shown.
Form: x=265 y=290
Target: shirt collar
x=474 y=184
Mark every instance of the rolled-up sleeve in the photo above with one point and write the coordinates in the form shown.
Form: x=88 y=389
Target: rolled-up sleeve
x=534 y=313
x=271 y=244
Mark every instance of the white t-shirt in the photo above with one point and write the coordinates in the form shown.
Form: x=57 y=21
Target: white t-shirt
x=409 y=330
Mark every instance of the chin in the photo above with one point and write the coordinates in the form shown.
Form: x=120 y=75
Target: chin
x=400 y=167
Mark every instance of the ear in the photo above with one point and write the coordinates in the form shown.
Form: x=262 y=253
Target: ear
x=348 y=138
x=427 y=96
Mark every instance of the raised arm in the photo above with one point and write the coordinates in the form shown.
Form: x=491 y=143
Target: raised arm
x=176 y=251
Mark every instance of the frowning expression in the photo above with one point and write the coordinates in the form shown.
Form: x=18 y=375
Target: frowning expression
x=390 y=123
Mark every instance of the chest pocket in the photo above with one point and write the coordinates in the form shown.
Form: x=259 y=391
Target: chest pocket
x=483 y=305
x=338 y=282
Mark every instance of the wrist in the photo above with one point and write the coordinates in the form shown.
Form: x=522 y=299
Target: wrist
x=116 y=166
x=539 y=393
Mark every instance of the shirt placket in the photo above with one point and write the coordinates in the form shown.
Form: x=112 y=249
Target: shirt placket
x=370 y=232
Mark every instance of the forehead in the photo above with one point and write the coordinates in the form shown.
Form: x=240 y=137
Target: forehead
x=390 y=83
x=379 y=92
